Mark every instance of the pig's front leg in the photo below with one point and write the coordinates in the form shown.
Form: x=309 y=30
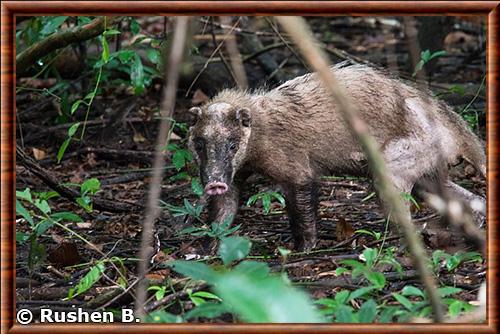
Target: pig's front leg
x=223 y=207
x=301 y=203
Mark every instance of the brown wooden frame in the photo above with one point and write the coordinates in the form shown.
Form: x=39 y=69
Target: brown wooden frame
x=9 y=9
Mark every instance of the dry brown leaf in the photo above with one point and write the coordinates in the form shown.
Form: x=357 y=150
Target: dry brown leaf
x=39 y=154
x=84 y=225
x=65 y=254
x=138 y=138
x=344 y=230
x=199 y=97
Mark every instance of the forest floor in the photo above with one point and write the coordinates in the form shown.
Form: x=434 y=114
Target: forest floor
x=118 y=152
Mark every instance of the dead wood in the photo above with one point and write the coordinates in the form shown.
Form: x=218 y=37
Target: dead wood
x=71 y=194
x=59 y=40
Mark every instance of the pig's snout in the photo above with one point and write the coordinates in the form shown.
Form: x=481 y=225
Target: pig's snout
x=216 y=188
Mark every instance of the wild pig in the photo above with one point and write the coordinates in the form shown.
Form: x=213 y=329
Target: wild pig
x=293 y=134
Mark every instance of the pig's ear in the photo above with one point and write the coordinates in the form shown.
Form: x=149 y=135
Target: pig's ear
x=194 y=114
x=244 y=117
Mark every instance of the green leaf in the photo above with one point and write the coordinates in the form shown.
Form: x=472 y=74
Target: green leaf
x=196 y=186
x=125 y=55
x=89 y=96
x=368 y=311
x=342 y=297
x=266 y=203
x=137 y=74
x=62 y=149
x=344 y=314
x=160 y=294
x=361 y=292
x=52 y=24
x=42 y=227
x=42 y=205
x=72 y=129
x=234 y=248
x=376 y=278
x=403 y=301
x=25 y=195
x=438 y=54
x=265 y=300
x=448 y=291
x=105 y=50
x=207 y=310
x=387 y=314
x=252 y=269
x=457 y=89
x=252 y=200
x=284 y=252
x=452 y=263
x=153 y=56
x=21 y=210
x=75 y=106
x=179 y=159
x=84 y=202
x=280 y=199
x=65 y=215
x=410 y=290
x=134 y=27
x=90 y=186
x=341 y=270
x=163 y=317
x=370 y=254
x=90 y=278
x=111 y=32
x=425 y=56
x=352 y=263
x=21 y=237
x=205 y=295
x=195 y=270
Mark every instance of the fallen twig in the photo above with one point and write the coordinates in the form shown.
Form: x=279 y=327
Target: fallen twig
x=71 y=194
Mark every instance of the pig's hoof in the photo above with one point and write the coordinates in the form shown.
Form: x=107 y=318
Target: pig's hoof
x=305 y=245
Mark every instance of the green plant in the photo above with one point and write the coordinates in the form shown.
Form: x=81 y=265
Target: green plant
x=215 y=230
x=247 y=289
x=452 y=261
x=187 y=209
x=376 y=235
x=201 y=297
x=425 y=57
x=40 y=217
x=409 y=198
x=266 y=198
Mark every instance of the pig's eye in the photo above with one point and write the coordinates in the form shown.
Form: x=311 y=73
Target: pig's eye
x=198 y=144
x=232 y=146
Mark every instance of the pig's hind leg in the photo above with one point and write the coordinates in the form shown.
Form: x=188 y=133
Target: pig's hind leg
x=301 y=204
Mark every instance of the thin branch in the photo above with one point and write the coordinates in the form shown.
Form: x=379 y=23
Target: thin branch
x=301 y=34
x=210 y=58
x=169 y=91
x=56 y=41
x=53 y=183
x=235 y=57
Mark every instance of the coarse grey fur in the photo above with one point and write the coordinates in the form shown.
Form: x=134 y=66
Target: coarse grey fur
x=293 y=134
